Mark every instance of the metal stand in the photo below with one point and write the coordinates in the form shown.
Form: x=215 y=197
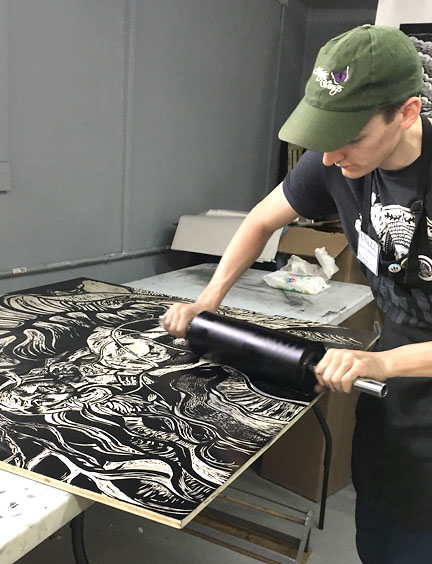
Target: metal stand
x=77 y=533
x=265 y=543
x=327 y=462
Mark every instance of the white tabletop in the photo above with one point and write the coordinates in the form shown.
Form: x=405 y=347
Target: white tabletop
x=332 y=306
x=30 y=511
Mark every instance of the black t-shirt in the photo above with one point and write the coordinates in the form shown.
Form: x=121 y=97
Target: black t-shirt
x=314 y=190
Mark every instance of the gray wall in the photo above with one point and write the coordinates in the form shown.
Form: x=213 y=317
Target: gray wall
x=125 y=114
x=202 y=105
x=66 y=67
x=289 y=88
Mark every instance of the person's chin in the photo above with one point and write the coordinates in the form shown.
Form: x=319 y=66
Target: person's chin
x=352 y=171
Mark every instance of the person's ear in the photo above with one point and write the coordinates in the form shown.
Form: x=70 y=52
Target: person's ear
x=409 y=112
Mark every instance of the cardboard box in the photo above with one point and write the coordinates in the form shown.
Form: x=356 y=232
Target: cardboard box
x=302 y=241
x=296 y=459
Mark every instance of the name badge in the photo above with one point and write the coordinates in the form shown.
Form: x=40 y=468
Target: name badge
x=368 y=252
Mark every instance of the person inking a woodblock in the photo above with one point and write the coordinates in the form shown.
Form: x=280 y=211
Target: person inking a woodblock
x=369 y=159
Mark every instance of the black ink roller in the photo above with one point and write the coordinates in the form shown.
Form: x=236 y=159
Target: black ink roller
x=286 y=360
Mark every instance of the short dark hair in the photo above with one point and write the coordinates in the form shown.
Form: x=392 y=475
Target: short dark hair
x=388 y=112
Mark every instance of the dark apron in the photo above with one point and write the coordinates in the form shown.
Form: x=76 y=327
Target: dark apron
x=392 y=446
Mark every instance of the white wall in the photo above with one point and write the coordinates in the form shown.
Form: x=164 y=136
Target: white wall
x=395 y=12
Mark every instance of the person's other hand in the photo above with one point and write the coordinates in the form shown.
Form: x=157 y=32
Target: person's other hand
x=177 y=318
x=338 y=369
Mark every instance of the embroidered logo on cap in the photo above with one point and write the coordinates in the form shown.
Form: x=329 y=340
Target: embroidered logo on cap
x=333 y=86
x=340 y=77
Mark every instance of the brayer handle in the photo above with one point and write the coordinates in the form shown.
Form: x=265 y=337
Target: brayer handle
x=371 y=387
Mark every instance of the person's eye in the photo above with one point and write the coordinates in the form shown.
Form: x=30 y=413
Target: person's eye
x=356 y=141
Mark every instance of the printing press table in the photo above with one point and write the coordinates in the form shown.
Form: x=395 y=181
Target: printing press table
x=335 y=305
x=32 y=511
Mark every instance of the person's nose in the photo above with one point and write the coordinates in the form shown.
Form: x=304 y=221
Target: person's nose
x=333 y=157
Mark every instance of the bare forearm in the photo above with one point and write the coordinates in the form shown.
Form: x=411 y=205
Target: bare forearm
x=270 y=214
x=247 y=244
x=244 y=248
x=409 y=360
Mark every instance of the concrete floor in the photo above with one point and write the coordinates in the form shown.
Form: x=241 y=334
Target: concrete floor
x=113 y=536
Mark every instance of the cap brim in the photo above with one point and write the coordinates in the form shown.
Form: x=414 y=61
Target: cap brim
x=323 y=130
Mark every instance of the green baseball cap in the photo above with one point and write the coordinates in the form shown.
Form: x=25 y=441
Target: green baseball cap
x=355 y=74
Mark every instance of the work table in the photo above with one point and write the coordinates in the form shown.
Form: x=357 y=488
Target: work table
x=333 y=306
x=30 y=511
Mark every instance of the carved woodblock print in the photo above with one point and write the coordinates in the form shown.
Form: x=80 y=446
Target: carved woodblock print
x=97 y=399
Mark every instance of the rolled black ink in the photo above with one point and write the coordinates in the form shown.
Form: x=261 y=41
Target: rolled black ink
x=259 y=352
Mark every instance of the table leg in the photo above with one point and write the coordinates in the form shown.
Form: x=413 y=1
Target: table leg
x=327 y=462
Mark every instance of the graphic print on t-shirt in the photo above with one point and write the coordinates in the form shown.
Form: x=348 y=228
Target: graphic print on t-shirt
x=394 y=225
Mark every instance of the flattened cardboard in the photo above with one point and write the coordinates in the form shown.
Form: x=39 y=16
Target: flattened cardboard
x=210 y=234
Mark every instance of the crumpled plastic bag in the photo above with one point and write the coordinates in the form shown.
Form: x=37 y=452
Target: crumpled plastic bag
x=301 y=276
x=301 y=284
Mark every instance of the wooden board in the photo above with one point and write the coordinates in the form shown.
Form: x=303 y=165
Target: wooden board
x=96 y=399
